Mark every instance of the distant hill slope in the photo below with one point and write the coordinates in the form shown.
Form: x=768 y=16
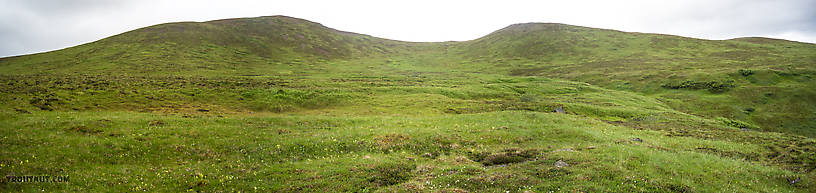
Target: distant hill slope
x=769 y=82
x=232 y=44
x=229 y=44
x=762 y=81
x=573 y=51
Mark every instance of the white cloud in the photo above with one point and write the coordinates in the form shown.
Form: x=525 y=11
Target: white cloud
x=794 y=35
x=29 y=26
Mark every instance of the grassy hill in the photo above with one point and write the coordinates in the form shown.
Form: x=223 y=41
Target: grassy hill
x=230 y=46
x=761 y=81
x=283 y=104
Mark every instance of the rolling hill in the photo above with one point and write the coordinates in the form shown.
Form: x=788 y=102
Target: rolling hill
x=288 y=105
x=208 y=47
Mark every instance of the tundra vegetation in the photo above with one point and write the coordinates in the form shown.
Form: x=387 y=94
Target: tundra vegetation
x=280 y=104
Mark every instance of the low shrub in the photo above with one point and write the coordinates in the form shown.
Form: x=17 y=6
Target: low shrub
x=390 y=173
x=737 y=123
x=714 y=86
x=745 y=72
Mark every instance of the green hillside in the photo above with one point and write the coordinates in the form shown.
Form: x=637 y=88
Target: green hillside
x=766 y=82
x=280 y=104
x=230 y=46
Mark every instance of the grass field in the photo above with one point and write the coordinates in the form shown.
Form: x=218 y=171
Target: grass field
x=279 y=104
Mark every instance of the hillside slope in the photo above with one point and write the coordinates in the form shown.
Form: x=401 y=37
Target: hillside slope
x=279 y=104
x=766 y=82
x=214 y=47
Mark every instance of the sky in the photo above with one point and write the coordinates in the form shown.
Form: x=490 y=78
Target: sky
x=33 y=26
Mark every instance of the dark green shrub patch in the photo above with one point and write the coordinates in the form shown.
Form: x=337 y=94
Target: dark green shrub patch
x=390 y=173
x=714 y=86
x=737 y=124
x=745 y=72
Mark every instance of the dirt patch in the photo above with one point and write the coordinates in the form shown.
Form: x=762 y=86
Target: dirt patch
x=391 y=141
x=85 y=129
x=507 y=156
x=156 y=123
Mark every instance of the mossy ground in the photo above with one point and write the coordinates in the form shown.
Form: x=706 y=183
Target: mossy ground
x=380 y=133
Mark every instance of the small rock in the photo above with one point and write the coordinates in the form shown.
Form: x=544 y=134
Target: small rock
x=561 y=164
x=591 y=147
x=797 y=180
x=637 y=139
x=559 y=110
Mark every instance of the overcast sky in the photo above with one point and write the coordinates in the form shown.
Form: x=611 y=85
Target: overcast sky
x=31 y=26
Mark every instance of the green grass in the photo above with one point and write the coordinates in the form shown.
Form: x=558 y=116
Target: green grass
x=278 y=104
x=317 y=153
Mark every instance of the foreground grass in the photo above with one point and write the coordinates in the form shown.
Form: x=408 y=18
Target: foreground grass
x=499 y=151
x=391 y=132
